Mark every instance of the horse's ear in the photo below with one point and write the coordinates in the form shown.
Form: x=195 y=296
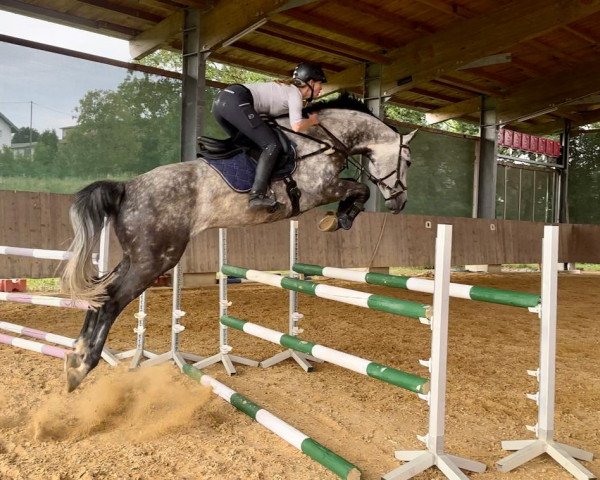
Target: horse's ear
x=409 y=136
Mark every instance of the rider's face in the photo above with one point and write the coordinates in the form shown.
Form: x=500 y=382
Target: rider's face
x=317 y=86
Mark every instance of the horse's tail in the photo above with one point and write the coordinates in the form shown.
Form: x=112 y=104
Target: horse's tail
x=93 y=203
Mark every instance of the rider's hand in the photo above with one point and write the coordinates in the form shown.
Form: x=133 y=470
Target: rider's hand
x=314 y=118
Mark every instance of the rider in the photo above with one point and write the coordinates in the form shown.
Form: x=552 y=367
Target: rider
x=237 y=109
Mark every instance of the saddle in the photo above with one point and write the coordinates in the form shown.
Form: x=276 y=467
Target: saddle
x=235 y=160
x=221 y=149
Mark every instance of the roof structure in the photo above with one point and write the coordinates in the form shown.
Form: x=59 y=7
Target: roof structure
x=537 y=59
x=13 y=127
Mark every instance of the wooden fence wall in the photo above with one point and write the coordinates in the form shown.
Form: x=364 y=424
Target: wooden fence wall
x=40 y=220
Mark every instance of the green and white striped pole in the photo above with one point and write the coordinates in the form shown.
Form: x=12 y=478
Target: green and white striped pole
x=384 y=373
x=330 y=460
x=458 y=290
x=344 y=295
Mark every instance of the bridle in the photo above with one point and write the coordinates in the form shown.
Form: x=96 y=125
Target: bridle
x=397 y=189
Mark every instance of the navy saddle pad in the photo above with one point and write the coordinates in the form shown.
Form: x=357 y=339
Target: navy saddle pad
x=238 y=170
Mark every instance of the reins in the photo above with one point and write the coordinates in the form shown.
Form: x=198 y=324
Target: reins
x=338 y=146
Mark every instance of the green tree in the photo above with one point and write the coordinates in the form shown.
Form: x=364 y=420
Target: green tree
x=584 y=179
x=22 y=135
x=126 y=131
x=7 y=162
x=46 y=151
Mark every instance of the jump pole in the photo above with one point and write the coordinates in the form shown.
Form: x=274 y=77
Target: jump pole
x=384 y=373
x=38 y=334
x=434 y=455
x=457 y=290
x=527 y=450
x=294 y=316
x=380 y=303
x=224 y=354
x=33 y=346
x=330 y=460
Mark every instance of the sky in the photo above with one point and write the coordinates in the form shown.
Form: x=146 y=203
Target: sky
x=54 y=83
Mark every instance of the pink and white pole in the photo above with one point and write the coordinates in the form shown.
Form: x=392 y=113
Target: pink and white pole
x=33 y=346
x=100 y=260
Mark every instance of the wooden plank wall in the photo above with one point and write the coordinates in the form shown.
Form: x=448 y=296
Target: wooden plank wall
x=40 y=220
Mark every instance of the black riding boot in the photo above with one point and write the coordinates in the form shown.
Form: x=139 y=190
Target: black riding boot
x=260 y=197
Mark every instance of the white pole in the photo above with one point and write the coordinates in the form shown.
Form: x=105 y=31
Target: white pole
x=439 y=339
x=293 y=310
x=103 y=248
x=223 y=303
x=177 y=313
x=545 y=428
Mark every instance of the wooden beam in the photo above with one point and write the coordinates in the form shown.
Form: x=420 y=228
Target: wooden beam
x=436 y=95
x=97 y=26
x=118 y=7
x=152 y=39
x=532 y=97
x=555 y=90
x=453 y=9
x=222 y=24
x=348 y=31
x=431 y=56
x=489 y=60
x=466 y=86
x=277 y=55
x=577 y=32
x=249 y=65
x=322 y=44
x=453 y=110
x=394 y=19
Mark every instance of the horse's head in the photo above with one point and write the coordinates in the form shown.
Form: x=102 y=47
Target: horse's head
x=389 y=157
x=361 y=132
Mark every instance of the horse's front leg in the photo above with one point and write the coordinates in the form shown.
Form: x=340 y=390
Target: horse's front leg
x=352 y=195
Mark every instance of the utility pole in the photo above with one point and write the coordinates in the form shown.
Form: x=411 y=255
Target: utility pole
x=31 y=131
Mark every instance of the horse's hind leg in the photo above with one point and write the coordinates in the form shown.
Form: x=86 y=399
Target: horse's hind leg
x=129 y=282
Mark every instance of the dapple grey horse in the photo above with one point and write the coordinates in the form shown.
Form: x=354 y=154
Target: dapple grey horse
x=155 y=214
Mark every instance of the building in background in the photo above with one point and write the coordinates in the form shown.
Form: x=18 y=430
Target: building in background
x=7 y=128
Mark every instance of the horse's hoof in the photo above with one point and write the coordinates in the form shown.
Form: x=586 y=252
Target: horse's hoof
x=329 y=223
x=72 y=360
x=75 y=371
x=344 y=221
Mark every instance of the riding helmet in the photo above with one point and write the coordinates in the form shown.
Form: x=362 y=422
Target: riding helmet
x=309 y=71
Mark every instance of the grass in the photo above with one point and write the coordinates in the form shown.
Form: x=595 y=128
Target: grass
x=43 y=285
x=51 y=184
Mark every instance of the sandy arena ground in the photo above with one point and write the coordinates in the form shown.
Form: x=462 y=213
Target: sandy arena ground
x=158 y=424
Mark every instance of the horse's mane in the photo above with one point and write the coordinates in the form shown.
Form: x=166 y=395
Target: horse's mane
x=345 y=101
